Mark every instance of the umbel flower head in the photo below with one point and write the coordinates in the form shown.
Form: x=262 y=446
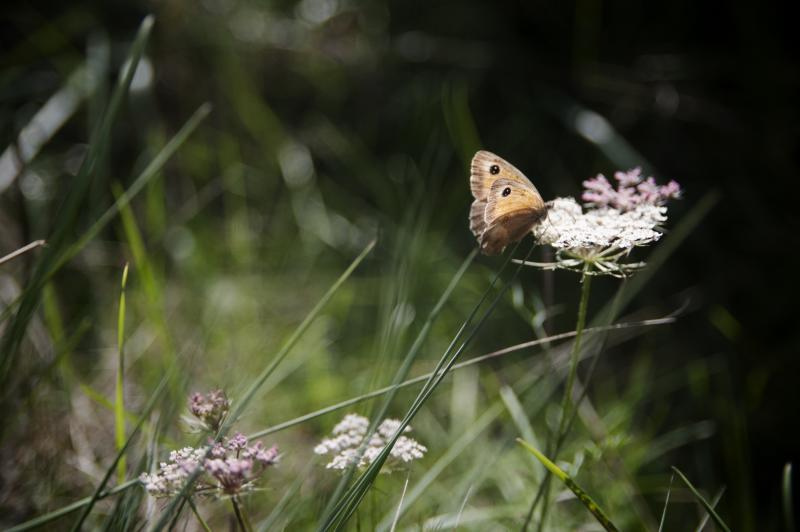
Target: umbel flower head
x=228 y=468
x=208 y=409
x=615 y=220
x=348 y=436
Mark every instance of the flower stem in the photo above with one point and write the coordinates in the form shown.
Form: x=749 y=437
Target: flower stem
x=566 y=402
x=198 y=516
x=244 y=524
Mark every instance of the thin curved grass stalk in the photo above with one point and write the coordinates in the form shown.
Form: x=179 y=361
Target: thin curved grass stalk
x=584 y=497
x=347 y=505
x=37 y=522
x=666 y=503
x=265 y=373
x=471 y=362
x=703 y=522
x=400 y=505
x=24 y=249
x=709 y=508
x=461 y=508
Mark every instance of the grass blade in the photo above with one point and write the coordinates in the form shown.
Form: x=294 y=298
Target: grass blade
x=587 y=501
x=399 y=505
x=714 y=503
x=710 y=509
x=119 y=401
x=786 y=493
x=422 y=378
x=42 y=520
x=666 y=503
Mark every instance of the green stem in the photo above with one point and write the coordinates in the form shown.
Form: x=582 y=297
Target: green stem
x=244 y=524
x=566 y=402
x=198 y=516
x=119 y=397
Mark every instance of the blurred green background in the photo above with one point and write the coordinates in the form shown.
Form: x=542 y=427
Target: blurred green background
x=334 y=122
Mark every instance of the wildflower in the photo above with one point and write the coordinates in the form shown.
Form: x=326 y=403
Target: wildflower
x=349 y=435
x=632 y=190
x=210 y=409
x=235 y=466
x=171 y=476
x=616 y=220
x=228 y=468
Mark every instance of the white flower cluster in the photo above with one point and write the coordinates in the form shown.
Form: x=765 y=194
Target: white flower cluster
x=171 y=476
x=567 y=227
x=349 y=435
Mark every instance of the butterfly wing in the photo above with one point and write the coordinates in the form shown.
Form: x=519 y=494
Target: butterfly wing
x=508 y=198
x=486 y=168
x=511 y=210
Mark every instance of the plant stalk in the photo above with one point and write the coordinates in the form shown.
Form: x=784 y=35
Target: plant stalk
x=566 y=402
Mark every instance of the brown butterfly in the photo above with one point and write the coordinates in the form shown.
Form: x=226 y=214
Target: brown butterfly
x=507 y=205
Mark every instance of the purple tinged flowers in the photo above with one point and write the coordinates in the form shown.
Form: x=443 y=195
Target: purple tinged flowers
x=631 y=191
x=236 y=466
x=210 y=408
x=231 y=468
x=226 y=468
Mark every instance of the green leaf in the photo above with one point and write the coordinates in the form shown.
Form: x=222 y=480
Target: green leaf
x=709 y=508
x=587 y=501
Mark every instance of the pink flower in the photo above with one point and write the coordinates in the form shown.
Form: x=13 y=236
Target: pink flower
x=210 y=408
x=238 y=442
x=231 y=473
x=632 y=190
x=629 y=178
x=260 y=454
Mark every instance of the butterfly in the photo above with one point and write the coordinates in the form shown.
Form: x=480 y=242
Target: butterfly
x=507 y=205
